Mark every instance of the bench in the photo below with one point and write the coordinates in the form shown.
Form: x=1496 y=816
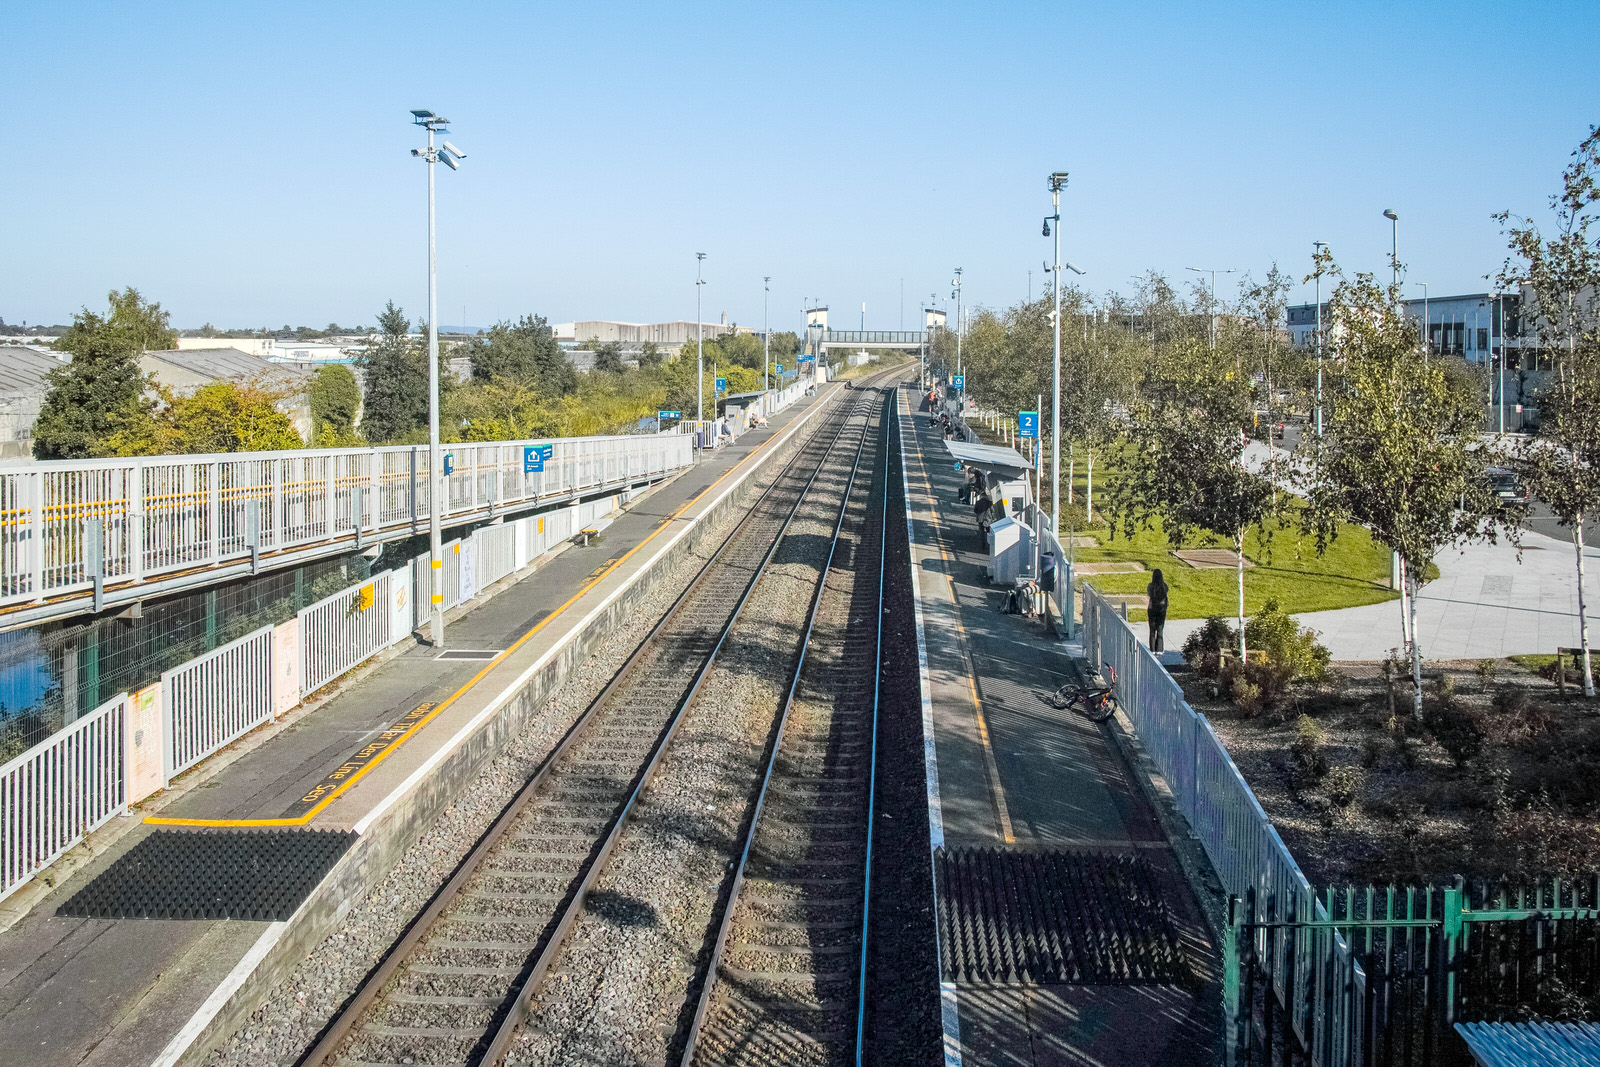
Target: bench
x=584 y=536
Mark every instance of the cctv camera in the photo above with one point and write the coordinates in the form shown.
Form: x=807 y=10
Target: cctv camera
x=454 y=151
x=448 y=160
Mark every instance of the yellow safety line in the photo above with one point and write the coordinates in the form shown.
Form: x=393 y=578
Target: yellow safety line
x=997 y=791
x=301 y=820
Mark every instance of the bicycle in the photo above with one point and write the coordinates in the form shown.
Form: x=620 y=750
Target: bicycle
x=1097 y=703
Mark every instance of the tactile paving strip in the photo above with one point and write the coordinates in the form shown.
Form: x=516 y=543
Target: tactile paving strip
x=212 y=874
x=1053 y=918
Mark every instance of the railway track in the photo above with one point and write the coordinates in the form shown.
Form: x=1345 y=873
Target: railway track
x=452 y=989
x=787 y=980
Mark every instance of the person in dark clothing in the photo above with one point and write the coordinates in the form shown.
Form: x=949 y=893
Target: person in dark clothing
x=981 y=509
x=1157 y=592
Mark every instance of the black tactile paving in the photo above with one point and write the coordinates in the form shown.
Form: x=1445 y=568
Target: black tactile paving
x=1053 y=918
x=212 y=874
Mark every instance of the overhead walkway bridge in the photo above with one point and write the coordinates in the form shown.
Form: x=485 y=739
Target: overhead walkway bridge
x=902 y=340
x=89 y=535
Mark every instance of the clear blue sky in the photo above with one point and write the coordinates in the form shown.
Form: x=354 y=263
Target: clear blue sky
x=247 y=164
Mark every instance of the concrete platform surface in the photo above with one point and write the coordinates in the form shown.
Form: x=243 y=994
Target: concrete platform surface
x=1011 y=771
x=122 y=991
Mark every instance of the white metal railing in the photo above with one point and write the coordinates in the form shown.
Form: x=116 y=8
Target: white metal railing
x=216 y=698
x=59 y=790
x=340 y=631
x=494 y=554
x=159 y=515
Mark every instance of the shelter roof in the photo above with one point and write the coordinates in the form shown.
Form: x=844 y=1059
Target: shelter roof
x=990 y=458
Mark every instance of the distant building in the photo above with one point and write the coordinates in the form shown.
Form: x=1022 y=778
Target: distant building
x=255 y=346
x=670 y=337
x=22 y=390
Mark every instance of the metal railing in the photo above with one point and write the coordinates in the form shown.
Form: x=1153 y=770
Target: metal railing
x=215 y=699
x=55 y=793
x=340 y=631
x=77 y=526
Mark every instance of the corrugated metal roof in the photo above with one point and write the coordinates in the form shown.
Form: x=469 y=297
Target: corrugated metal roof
x=230 y=363
x=1539 y=1044
x=22 y=369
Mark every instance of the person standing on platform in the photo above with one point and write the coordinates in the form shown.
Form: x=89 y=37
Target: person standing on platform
x=1157 y=614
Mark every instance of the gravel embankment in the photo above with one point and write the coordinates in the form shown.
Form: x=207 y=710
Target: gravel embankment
x=618 y=986
x=297 y=1009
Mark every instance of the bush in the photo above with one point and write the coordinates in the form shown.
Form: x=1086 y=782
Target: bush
x=1276 y=634
x=1246 y=696
x=1345 y=784
x=1306 y=748
x=1460 y=731
x=1487 y=669
x=1207 y=647
x=1518 y=717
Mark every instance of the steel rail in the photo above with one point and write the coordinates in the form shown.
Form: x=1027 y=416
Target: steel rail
x=725 y=925
x=368 y=993
x=507 y=1030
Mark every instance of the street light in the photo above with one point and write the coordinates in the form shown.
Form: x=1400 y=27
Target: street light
x=1057 y=181
x=1213 y=271
x=766 y=333
x=960 y=372
x=1394 y=246
x=438 y=491
x=700 y=346
x=1427 y=326
x=1317 y=247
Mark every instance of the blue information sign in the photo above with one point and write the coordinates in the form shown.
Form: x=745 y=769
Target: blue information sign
x=449 y=462
x=722 y=385
x=669 y=414
x=959 y=381
x=532 y=459
x=1027 y=424
x=780 y=368
x=806 y=359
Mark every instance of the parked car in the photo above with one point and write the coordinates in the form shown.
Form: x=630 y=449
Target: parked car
x=1508 y=485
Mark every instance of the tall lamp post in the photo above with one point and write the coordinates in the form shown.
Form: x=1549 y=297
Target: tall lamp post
x=766 y=333
x=1427 y=326
x=1394 y=247
x=438 y=492
x=1213 y=271
x=1317 y=247
x=699 y=345
x=962 y=396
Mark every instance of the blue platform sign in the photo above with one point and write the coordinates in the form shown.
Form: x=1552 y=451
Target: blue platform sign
x=722 y=385
x=959 y=381
x=1027 y=424
x=780 y=368
x=449 y=462
x=532 y=459
x=669 y=414
x=806 y=359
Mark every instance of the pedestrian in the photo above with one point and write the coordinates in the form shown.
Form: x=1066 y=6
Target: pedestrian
x=1157 y=613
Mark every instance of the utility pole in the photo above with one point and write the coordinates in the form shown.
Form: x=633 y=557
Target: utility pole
x=1057 y=181
x=766 y=333
x=962 y=396
x=1317 y=247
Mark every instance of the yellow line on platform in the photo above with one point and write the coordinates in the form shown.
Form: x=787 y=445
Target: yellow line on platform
x=594 y=579
x=997 y=791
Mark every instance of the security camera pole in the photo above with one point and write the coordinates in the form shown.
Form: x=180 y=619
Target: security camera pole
x=700 y=346
x=438 y=492
x=1057 y=180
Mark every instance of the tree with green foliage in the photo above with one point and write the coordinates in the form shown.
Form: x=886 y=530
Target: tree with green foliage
x=335 y=399
x=526 y=350
x=396 y=371
x=1399 y=454
x=608 y=357
x=1189 y=468
x=101 y=392
x=1563 y=275
x=650 y=355
x=220 y=416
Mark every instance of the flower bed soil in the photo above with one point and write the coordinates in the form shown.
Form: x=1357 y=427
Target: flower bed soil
x=1380 y=799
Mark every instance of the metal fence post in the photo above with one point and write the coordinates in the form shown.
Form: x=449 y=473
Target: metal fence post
x=1450 y=938
x=1230 y=983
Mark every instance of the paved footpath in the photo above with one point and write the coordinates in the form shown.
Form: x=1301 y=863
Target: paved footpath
x=1486 y=602
x=1014 y=773
x=116 y=991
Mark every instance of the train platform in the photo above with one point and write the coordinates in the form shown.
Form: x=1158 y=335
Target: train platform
x=364 y=761
x=1031 y=804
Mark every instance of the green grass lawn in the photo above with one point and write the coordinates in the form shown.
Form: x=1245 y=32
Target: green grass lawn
x=1352 y=572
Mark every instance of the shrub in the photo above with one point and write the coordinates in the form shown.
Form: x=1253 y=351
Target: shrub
x=1306 y=748
x=1246 y=696
x=1518 y=717
x=1254 y=686
x=1487 y=669
x=1276 y=634
x=1460 y=731
x=1207 y=647
x=1345 y=785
